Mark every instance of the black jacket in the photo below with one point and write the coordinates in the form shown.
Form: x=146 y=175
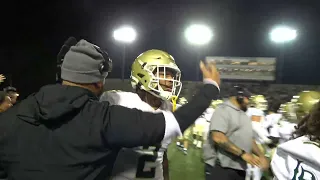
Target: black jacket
x=64 y=132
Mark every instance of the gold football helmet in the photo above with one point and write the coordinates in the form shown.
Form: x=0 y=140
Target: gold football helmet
x=259 y=102
x=288 y=110
x=305 y=102
x=215 y=103
x=153 y=66
x=294 y=99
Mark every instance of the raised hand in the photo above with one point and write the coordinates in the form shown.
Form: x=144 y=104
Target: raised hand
x=2 y=78
x=209 y=71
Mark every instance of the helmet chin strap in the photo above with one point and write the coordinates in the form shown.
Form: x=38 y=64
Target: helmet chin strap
x=174 y=103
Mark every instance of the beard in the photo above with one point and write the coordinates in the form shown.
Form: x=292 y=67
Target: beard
x=100 y=92
x=244 y=107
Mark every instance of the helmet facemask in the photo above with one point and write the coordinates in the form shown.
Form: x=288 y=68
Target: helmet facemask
x=259 y=102
x=262 y=105
x=159 y=74
x=289 y=111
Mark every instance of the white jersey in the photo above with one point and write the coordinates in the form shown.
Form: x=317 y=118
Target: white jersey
x=285 y=130
x=272 y=123
x=140 y=162
x=272 y=119
x=297 y=159
x=201 y=121
x=206 y=116
x=260 y=133
x=254 y=112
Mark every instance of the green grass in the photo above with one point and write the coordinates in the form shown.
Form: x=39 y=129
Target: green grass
x=186 y=167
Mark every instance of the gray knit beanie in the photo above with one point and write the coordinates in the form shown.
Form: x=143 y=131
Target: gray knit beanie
x=81 y=64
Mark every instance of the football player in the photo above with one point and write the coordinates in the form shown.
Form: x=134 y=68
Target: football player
x=155 y=79
x=299 y=158
x=208 y=115
x=272 y=119
x=294 y=111
x=201 y=127
x=183 y=141
x=258 y=105
x=198 y=130
x=286 y=125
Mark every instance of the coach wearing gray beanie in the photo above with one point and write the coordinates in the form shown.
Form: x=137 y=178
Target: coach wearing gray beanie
x=81 y=64
x=63 y=131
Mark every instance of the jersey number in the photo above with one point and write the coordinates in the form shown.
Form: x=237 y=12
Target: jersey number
x=142 y=161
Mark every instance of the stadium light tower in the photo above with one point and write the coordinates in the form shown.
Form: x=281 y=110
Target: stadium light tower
x=124 y=35
x=198 y=35
x=281 y=35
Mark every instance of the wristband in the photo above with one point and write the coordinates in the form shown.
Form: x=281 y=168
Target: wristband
x=242 y=153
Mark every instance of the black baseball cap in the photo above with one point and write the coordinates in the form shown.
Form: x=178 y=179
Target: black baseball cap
x=241 y=91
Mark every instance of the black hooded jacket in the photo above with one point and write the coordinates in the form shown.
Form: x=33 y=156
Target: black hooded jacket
x=64 y=132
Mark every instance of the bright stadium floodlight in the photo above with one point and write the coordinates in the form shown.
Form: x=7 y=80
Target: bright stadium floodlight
x=125 y=34
x=198 y=34
x=283 y=34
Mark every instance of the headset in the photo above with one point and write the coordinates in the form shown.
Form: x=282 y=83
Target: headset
x=104 y=67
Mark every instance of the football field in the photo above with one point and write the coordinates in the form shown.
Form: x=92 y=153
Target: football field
x=190 y=166
x=186 y=167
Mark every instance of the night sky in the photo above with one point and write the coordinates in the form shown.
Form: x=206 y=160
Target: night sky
x=34 y=31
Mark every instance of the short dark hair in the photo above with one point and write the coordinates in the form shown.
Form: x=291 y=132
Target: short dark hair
x=10 y=89
x=310 y=125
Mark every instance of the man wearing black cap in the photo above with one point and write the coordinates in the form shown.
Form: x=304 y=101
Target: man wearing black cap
x=230 y=145
x=64 y=132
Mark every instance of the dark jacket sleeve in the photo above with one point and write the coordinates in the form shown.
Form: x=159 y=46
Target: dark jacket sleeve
x=188 y=113
x=3 y=174
x=126 y=127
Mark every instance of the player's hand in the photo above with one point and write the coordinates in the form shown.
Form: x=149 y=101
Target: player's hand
x=209 y=71
x=2 y=78
x=251 y=159
x=264 y=163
